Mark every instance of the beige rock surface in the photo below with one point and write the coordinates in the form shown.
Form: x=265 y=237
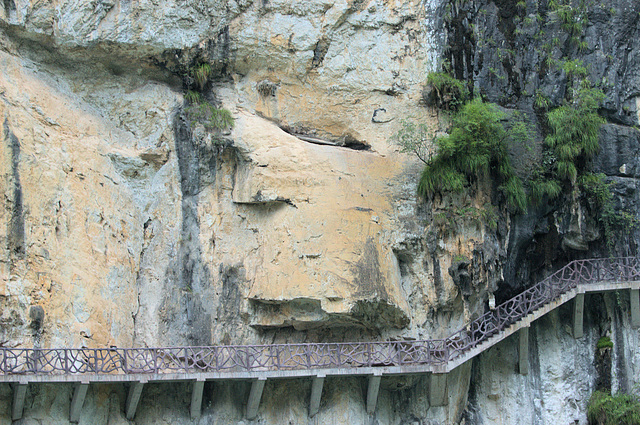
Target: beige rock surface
x=131 y=228
x=324 y=215
x=184 y=239
x=69 y=222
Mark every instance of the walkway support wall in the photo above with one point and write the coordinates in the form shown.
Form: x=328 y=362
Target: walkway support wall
x=196 y=399
x=438 y=394
x=578 y=316
x=316 y=395
x=635 y=307
x=19 y=393
x=372 y=393
x=257 y=386
x=135 y=392
x=523 y=351
x=79 y=393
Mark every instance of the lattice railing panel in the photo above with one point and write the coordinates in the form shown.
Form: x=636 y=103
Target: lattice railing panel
x=234 y=358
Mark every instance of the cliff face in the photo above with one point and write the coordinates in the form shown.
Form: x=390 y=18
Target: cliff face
x=527 y=57
x=266 y=230
x=131 y=224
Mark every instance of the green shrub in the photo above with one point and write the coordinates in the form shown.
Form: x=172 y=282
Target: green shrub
x=573 y=140
x=605 y=409
x=541 y=187
x=541 y=101
x=459 y=258
x=604 y=342
x=212 y=118
x=475 y=148
x=571 y=14
x=445 y=92
x=574 y=129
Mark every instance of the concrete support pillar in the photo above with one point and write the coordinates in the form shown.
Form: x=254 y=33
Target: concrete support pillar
x=578 y=316
x=135 y=391
x=316 y=394
x=438 y=395
x=19 y=394
x=79 y=393
x=523 y=351
x=635 y=307
x=196 y=399
x=254 y=398
x=372 y=393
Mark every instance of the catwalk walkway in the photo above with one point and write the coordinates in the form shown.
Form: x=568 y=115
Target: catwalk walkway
x=373 y=359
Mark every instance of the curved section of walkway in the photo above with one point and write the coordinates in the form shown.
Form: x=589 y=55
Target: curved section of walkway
x=358 y=358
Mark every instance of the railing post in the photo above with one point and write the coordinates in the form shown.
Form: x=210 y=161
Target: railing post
x=186 y=360
x=95 y=357
x=368 y=354
x=272 y=355
x=155 y=360
x=307 y=355
x=95 y=360
x=338 y=355
x=125 y=364
x=627 y=269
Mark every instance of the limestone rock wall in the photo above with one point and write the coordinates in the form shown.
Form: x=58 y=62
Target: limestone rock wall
x=271 y=230
x=562 y=369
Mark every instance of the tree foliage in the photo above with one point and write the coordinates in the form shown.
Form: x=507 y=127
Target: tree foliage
x=415 y=139
x=574 y=129
x=621 y=409
x=475 y=148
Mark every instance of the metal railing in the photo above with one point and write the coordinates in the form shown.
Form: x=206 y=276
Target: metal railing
x=282 y=357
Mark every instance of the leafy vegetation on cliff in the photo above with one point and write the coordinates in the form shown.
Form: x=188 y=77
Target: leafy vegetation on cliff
x=619 y=409
x=474 y=149
x=604 y=342
x=445 y=92
x=199 y=109
x=574 y=130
